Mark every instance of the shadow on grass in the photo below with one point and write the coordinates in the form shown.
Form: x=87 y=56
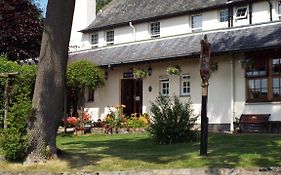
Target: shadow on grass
x=226 y=151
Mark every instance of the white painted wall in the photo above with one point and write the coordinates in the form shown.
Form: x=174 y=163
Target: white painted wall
x=84 y=14
x=260 y=12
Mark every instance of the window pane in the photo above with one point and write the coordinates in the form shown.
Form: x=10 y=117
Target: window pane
x=94 y=38
x=276 y=66
x=276 y=84
x=224 y=15
x=155 y=28
x=196 y=23
x=241 y=12
x=257 y=89
x=256 y=67
x=110 y=36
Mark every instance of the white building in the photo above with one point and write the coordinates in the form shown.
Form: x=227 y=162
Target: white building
x=129 y=34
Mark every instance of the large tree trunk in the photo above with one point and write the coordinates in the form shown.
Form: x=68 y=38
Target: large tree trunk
x=48 y=96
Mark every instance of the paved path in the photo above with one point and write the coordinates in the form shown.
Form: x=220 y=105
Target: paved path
x=198 y=171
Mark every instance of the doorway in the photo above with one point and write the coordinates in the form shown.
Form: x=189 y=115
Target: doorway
x=131 y=96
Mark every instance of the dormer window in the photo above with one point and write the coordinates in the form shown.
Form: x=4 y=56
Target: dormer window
x=109 y=35
x=94 y=40
x=196 y=23
x=241 y=12
x=155 y=29
x=224 y=15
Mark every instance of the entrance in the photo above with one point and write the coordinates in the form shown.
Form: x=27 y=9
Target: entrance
x=131 y=96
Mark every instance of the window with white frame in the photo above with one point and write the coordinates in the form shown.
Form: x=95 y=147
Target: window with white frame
x=109 y=35
x=94 y=39
x=224 y=15
x=164 y=86
x=185 y=85
x=196 y=23
x=155 y=29
x=241 y=12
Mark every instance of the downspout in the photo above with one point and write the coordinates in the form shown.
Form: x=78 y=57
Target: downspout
x=250 y=12
x=232 y=94
x=230 y=17
x=134 y=30
x=270 y=9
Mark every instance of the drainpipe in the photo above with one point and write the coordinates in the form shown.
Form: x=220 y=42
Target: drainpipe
x=230 y=17
x=250 y=12
x=232 y=94
x=134 y=30
x=270 y=9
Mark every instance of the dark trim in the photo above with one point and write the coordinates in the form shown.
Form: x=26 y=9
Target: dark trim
x=230 y=16
x=250 y=12
x=270 y=9
x=148 y=19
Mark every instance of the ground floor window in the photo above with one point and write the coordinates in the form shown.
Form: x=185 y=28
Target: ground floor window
x=164 y=86
x=185 y=85
x=263 y=78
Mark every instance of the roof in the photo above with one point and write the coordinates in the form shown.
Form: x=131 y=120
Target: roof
x=121 y=12
x=245 y=38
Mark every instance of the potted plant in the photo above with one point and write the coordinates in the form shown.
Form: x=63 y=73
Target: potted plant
x=247 y=64
x=214 y=67
x=174 y=70
x=139 y=73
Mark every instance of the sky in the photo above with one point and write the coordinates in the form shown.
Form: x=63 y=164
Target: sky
x=42 y=5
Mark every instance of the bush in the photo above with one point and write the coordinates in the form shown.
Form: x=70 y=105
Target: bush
x=172 y=121
x=14 y=139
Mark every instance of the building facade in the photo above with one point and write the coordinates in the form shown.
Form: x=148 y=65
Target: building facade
x=245 y=39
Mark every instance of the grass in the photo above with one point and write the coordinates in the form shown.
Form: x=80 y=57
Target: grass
x=137 y=152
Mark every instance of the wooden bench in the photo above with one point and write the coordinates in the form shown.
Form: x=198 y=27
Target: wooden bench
x=254 y=123
x=274 y=126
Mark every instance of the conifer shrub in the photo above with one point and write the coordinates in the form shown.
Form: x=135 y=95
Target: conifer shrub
x=172 y=121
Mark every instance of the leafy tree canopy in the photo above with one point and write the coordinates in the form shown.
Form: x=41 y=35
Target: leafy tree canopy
x=102 y=3
x=82 y=74
x=21 y=27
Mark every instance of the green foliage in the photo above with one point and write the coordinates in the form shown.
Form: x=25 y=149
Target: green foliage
x=13 y=140
x=172 y=121
x=13 y=144
x=82 y=74
x=102 y=3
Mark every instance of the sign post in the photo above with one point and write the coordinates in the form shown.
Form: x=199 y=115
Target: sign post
x=205 y=73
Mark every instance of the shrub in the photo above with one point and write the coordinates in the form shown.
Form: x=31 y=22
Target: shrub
x=172 y=121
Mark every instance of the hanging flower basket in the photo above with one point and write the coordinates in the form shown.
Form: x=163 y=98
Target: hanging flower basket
x=174 y=70
x=247 y=63
x=139 y=73
x=214 y=67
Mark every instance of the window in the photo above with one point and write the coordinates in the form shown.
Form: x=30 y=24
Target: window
x=264 y=79
x=224 y=15
x=94 y=40
x=155 y=29
x=164 y=87
x=109 y=37
x=241 y=12
x=185 y=85
x=196 y=23
x=91 y=95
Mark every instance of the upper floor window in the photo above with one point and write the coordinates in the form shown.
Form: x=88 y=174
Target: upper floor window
x=164 y=87
x=185 y=85
x=94 y=39
x=155 y=29
x=241 y=12
x=264 y=79
x=196 y=23
x=224 y=15
x=109 y=37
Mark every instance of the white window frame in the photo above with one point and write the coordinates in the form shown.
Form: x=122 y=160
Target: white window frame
x=94 y=44
x=223 y=15
x=154 y=29
x=196 y=29
x=111 y=41
x=241 y=16
x=185 y=85
x=164 y=90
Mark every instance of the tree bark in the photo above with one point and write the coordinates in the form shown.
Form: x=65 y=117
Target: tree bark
x=48 y=99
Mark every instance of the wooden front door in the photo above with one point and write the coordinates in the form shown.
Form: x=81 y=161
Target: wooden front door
x=131 y=96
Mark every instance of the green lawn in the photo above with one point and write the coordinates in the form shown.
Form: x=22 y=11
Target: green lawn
x=137 y=152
